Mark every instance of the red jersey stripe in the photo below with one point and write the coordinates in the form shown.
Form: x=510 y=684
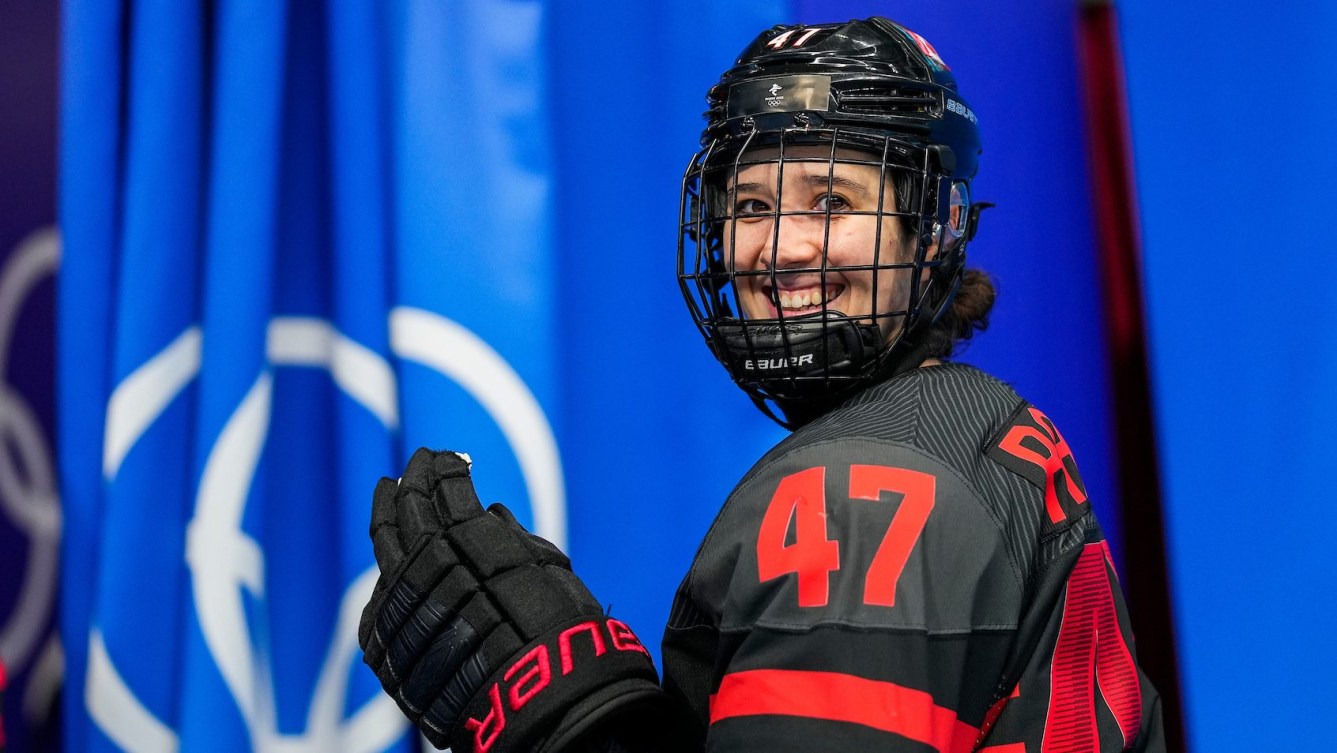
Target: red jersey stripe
x=1090 y=652
x=1116 y=671
x=840 y=697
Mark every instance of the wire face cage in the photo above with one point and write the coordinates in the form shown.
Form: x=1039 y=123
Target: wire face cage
x=806 y=255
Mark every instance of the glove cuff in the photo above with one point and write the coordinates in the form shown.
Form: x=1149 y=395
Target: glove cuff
x=638 y=714
x=559 y=672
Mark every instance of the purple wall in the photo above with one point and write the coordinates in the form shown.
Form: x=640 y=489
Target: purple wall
x=29 y=254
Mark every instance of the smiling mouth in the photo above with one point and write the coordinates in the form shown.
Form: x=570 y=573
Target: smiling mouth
x=802 y=301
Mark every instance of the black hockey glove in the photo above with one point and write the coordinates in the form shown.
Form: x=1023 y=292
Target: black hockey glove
x=480 y=631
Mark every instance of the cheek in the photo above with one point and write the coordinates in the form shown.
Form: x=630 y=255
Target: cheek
x=856 y=242
x=894 y=289
x=893 y=285
x=743 y=245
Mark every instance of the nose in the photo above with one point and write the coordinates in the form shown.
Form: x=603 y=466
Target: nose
x=799 y=244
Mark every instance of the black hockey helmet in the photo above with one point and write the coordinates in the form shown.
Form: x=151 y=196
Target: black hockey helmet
x=819 y=99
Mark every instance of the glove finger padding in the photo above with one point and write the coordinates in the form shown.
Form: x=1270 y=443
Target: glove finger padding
x=435 y=492
x=388 y=550
x=413 y=622
x=545 y=550
x=438 y=657
x=383 y=513
x=479 y=630
x=488 y=545
x=405 y=515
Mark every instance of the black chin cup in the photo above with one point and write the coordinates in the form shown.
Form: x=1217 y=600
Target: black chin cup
x=798 y=358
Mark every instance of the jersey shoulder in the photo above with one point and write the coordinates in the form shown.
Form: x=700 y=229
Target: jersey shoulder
x=948 y=411
x=953 y=413
x=1008 y=449
x=1004 y=485
x=884 y=501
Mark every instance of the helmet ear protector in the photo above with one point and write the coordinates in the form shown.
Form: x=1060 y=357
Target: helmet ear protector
x=865 y=98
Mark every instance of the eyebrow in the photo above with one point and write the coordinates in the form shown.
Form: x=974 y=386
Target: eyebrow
x=815 y=181
x=848 y=184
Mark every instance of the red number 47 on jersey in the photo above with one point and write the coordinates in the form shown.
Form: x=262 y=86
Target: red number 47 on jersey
x=800 y=500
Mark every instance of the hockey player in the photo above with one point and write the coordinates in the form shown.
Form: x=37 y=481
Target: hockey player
x=915 y=568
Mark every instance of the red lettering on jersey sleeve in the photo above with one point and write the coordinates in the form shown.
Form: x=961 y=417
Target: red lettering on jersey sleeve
x=1032 y=447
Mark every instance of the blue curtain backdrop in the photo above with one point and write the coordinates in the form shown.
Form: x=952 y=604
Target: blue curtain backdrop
x=1016 y=64
x=303 y=238
x=1233 y=122
x=222 y=379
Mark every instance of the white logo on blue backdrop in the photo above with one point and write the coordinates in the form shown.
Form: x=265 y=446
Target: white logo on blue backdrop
x=28 y=496
x=227 y=566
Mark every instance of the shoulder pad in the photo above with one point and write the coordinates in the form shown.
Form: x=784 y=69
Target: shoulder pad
x=1029 y=445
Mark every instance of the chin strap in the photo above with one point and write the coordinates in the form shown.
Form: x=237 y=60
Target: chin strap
x=798 y=369
x=906 y=355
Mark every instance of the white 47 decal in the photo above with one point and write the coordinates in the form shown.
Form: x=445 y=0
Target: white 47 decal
x=802 y=39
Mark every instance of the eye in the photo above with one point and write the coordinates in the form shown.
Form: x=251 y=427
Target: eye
x=751 y=208
x=831 y=202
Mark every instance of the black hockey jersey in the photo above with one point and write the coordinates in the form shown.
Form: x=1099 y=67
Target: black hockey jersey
x=918 y=570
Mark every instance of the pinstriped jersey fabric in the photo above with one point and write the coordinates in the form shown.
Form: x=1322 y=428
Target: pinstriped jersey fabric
x=951 y=411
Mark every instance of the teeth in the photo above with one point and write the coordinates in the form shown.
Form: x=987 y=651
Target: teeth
x=802 y=300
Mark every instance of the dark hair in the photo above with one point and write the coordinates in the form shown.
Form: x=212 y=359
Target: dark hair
x=968 y=314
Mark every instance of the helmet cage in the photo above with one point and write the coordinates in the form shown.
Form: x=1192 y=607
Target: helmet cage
x=822 y=354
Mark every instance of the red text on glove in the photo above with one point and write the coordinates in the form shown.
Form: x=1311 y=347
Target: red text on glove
x=537 y=675
x=533 y=673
